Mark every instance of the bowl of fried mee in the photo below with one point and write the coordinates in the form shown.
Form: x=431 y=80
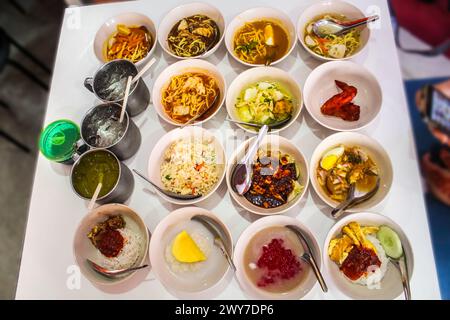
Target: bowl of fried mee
x=189 y=91
x=191 y=30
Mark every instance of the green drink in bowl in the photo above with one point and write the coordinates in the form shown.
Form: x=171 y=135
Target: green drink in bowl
x=101 y=165
x=59 y=141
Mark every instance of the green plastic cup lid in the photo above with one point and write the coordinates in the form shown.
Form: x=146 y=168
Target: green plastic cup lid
x=58 y=140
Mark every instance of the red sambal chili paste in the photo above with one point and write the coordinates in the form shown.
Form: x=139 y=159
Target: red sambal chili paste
x=359 y=259
x=110 y=242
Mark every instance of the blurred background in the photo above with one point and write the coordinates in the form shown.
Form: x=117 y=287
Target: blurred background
x=29 y=31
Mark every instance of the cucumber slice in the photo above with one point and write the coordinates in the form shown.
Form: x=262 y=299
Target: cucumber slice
x=390 y=242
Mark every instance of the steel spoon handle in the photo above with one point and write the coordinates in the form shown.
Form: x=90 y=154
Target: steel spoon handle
x=227 y=256
x=359 y=22
x=403 y=268
x=339 y=210
x=244 y=123
x=130 y=269
x=310 y=259
x=146 y=179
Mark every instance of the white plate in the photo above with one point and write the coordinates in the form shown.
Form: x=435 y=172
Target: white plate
x=391 y=285
x=83 y=248
x=254 y=75
x=128 y=19
x=327 y=7
x=255 y=14
x=178 y=68
x=373 y=149
x=206 y=285
x=274 y=143
x=184 y=11
x=320 y=86
x=247 y=285
x=157 y=158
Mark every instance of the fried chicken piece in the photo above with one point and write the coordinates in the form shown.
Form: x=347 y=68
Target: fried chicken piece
x=340 y=105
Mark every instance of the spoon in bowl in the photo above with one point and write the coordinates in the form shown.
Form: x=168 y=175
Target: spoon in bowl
x=241 y=177
x=168 y=193
x=308 y=256
x=212 y=227
x=112 y=273
x=274 y=125
x=354 y=197
x=325 y=27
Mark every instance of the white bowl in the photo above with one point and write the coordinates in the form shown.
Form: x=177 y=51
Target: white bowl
x=326 y=7
x=157 y=158
x=255 y=14
x=274 y=143
x=187 y=10
x=370 y=146
x=253 y=75
x=320 y=86
x=129 y=19
x=247 y=285
x=391 y=285
x=180 y=67
x=83 y=248
x=212 y=282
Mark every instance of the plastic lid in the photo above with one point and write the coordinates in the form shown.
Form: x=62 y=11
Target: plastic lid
x=58 y=140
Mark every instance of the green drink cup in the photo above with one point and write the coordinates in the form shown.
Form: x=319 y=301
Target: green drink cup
x=59 y=141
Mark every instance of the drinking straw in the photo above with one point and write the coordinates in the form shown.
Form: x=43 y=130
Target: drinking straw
x=143 y=70
x=95 y=196
x=125 y=99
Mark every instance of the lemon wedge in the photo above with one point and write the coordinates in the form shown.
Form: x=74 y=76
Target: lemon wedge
x=331 y=157
x=184 y=249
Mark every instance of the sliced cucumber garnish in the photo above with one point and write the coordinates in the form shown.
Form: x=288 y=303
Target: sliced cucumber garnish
x=390 y=241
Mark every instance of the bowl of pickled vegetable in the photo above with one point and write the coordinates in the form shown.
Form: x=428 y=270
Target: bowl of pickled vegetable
x=264 y=95
x=130 y=36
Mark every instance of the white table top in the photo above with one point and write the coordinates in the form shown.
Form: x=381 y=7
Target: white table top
x=55 y=210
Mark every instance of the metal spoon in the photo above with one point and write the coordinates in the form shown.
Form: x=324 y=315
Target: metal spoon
x=354 y=197
x=402 y=266
x=212 y=227
x=241 y=177
x=168 y=193
x=324 y=27
x=113 y=273
x=274 y=125
x=308 y=256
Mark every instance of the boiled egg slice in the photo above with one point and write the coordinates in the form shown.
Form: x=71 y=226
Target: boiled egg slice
x=331 y=157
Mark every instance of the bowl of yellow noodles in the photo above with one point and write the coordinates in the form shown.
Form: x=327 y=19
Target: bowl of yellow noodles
x=332 y=47
x=189 y=91
x=260 y=36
